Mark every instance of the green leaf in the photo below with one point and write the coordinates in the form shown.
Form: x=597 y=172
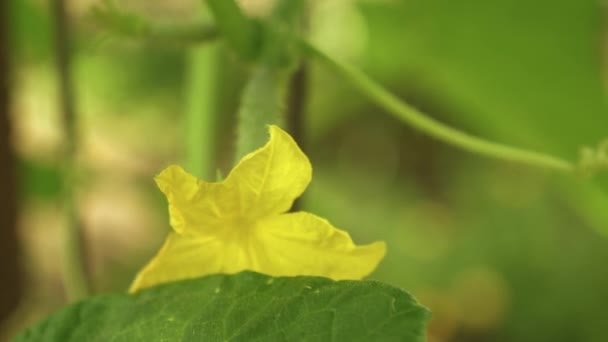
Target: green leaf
x=243 y=307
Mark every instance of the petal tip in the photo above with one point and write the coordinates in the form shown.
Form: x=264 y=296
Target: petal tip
x=168 y=174
x=381 y=245
x=169 y=171
x=278 y=134
x=171 y=177
x=134 y=287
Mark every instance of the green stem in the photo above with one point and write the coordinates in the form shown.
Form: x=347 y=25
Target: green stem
x=264 y=96
x=263 y=103
x=201 y=111
x=125 y=24
x=239 y=30
x=74 y=276
x=434 y=128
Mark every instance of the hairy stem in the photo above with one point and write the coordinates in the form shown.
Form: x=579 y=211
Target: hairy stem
x=263 y=103
x=264 y=96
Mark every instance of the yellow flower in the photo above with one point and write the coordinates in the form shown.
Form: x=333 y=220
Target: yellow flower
x=241 y=224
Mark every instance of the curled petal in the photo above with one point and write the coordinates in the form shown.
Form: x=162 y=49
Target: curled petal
x=265 y=182
x=268 y=180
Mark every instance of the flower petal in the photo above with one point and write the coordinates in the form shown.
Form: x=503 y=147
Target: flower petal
x=305 y=244
x=181 y=257
x=238 y=224
x=268 y=180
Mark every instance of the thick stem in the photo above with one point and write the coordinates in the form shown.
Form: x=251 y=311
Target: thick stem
x=263 y=100
x=73 y=265
x=436 y=129
x=263 y=103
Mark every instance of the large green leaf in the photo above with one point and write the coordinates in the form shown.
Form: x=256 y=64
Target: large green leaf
x=243 y=307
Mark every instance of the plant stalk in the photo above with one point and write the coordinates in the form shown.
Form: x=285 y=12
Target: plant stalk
x=240 y=31
x=74 y=275
x=263 y=103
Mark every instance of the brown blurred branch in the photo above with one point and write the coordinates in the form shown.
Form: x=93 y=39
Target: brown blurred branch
x=296 y=108
x=296 y=104
x=298 y=98
x=73 y=265
x=10 y=273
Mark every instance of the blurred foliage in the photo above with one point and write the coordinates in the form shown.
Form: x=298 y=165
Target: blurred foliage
x=498 y=252
x=515 y=70
x=526 y=73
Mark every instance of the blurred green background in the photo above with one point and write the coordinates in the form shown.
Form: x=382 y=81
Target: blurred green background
x=498 y=252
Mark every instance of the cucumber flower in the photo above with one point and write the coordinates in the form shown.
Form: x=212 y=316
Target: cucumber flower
x=242 y=224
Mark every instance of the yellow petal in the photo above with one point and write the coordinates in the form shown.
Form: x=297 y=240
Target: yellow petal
x=304 y=244
x=239 y=224
x=268 y=180
x=181 y=257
